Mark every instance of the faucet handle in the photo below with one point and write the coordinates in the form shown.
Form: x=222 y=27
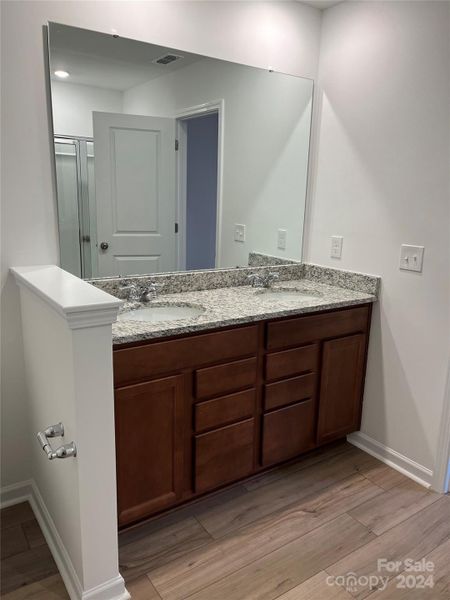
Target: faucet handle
x=152 y=291
x=129 y=291
x=255 y=279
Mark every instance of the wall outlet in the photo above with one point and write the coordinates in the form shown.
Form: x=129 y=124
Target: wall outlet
x=239 y=233
x=411 y=258
x=281 y=244
x=336 y=246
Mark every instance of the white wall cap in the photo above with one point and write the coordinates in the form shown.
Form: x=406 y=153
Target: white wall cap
x=79 y=302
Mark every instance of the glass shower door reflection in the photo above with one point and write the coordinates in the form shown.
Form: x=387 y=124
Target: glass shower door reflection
x=76 y=204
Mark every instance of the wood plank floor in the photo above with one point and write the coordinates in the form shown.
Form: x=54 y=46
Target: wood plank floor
x=293 y=533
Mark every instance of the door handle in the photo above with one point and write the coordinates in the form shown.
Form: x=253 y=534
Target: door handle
x=104 y=245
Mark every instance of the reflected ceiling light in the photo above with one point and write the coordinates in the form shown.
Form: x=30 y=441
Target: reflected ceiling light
x=62 y=74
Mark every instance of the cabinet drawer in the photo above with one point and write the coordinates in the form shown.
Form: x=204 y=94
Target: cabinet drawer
x=214 y=413
x=289 y=391
x=292 y=332
x=288 y=432
x=223 y=455
x=292 y=362
x=225 y=378
x=147 y=361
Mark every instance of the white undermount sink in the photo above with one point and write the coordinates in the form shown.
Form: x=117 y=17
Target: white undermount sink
x=162 y=312
x=285 y=295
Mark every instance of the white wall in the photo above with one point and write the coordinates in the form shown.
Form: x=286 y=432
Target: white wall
x=382 y=180
x=285 y=35
x=73 y=105
x=266 y=126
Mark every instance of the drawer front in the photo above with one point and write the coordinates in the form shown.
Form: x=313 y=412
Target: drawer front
x=225 y=378
x=292 y=332
x=288 y=432
x=224 y=455
x=224 y=410
x=292 y=362
x=289 y=391
x=147 y=361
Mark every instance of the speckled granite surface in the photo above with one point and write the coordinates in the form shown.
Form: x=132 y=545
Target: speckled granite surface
x=349 y=280
x=258 y=259
x=238 y=305
x=189 y=281
x=359 y=282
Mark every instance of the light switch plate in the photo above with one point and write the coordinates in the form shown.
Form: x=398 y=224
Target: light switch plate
x=411 y=258
x=336 y=246
x=239 y=232
x=282 y=234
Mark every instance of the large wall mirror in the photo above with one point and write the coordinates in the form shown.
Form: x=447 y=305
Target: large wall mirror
x=167 y=160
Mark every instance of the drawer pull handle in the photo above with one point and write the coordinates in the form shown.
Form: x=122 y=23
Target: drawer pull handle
x=63 y=451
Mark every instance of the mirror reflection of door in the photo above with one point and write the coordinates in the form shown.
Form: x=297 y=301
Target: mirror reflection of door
x=135 y=170
x=138 y=229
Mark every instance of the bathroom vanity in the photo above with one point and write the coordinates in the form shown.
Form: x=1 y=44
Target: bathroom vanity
x=198 y=410
x=215 y=379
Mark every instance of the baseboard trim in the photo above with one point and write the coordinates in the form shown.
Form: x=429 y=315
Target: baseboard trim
x=441 y=477
x=113 y=589
x=16 y=493
x=392 y=458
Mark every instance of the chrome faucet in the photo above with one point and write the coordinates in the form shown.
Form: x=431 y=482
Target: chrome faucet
x=263 y=280
x=133 y=292
x=130 y=292
x=151 y=293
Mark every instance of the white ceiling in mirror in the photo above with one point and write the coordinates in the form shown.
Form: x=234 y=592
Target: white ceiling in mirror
x=108 y=62
x=321 y=4
x=188 y=165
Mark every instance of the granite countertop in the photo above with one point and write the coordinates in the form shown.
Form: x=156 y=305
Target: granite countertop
x=237 y=305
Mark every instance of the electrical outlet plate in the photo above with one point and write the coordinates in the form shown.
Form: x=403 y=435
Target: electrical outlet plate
x=411 y=258
x=336 y=246
x=239 y=232
x=282 y=234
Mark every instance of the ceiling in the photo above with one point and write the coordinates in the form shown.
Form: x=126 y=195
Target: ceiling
x=322 y=4
x=100 y=60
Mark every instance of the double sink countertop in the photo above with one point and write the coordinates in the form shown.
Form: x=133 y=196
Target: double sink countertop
x=321 y=289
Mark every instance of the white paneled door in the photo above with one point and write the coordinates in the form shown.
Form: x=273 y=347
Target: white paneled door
x=136 y=193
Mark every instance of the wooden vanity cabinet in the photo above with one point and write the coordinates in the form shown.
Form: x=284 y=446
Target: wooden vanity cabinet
x=198 y=412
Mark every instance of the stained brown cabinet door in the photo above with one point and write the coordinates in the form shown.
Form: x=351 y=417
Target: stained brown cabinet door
x=341 y=387
x=149 y=446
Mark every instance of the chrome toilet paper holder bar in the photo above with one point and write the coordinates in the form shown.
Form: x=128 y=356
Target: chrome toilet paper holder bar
x=63 y=451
